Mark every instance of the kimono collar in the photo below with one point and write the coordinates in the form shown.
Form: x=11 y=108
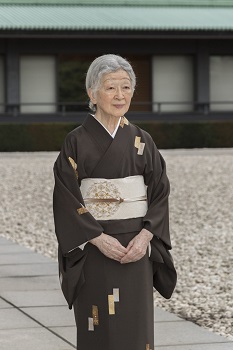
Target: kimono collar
x=114 y=132
x=97 y=132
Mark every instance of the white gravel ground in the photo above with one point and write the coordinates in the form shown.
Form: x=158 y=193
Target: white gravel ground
x=201 y=218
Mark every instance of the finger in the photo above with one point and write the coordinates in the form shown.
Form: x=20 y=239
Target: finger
x=119 y=255
x=130 y=245
x=116 y=247
x=114 y=254
x=127 y=259
x=132 y=256
x=116 y=244
x=114 y=257
x=133 y=252
x=120 y=248
x=130 y=260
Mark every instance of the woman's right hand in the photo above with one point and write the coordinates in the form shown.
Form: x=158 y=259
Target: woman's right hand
x=109 y=246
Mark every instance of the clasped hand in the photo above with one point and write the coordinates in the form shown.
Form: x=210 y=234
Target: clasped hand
x=113 y=249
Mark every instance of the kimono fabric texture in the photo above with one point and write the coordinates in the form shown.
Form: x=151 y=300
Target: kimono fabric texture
x=112 y=302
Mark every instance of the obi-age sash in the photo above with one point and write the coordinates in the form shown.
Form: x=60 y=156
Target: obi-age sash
x=115 y=199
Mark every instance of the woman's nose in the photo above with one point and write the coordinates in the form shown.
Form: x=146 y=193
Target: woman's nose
x=119 y=93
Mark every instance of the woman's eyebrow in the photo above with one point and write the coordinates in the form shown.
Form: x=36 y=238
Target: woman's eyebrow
x=114 y=79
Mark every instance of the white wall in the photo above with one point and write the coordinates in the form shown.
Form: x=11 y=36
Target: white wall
x=221 y=82
x=2 y=85
x=173 y=82
x=38 y=83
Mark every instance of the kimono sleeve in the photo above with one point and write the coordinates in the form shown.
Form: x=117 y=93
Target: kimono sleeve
x=156 y=219
x=74 y=225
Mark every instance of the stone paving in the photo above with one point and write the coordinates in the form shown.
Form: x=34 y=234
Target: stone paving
x=34 y=314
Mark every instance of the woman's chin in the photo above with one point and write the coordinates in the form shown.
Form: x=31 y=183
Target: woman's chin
x=119 y=112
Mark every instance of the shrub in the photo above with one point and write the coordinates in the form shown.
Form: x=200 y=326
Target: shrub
x=49 y=136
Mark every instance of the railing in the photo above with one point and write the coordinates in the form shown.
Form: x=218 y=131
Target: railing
x=66 y=108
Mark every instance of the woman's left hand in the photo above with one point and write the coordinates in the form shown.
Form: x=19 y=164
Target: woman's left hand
x=137 y=246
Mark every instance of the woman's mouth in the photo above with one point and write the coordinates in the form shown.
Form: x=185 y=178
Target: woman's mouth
x=118 y=106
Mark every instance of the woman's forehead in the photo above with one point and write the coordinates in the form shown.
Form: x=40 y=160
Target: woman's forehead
x=118 y=75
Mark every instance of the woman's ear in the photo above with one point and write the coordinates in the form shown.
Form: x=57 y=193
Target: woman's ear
x=91 y=96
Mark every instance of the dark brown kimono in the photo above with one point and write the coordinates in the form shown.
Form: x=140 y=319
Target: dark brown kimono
x=113 y=302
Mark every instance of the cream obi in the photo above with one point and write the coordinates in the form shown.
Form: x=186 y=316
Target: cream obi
x=114 y=199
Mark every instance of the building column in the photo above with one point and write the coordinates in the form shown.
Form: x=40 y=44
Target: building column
x=202 y=94
x=12 y=77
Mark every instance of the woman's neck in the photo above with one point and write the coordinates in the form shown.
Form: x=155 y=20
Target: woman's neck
x=109 y=122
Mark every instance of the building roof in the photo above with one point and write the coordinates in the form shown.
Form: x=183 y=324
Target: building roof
x=116 y=15
x=195 y=3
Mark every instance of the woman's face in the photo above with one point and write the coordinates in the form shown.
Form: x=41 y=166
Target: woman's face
x=114 y=94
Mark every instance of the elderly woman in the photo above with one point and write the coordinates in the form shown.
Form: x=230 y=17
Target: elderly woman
x=111 y=217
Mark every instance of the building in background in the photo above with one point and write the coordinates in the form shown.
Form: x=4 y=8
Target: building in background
x=181 y=51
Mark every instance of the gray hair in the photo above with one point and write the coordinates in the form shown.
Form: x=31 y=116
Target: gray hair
x=106 y=64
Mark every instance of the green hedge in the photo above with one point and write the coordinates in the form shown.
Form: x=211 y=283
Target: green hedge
x=33 y=137
x=49 y=136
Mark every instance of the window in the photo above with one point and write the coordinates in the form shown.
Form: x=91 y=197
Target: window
x=71 y=82
x=141 y=100
x=37 y=84
x=221 y=83
x=173 y=83
x=2 y=85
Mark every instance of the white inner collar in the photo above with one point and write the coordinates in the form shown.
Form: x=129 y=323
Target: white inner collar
x=114 y=132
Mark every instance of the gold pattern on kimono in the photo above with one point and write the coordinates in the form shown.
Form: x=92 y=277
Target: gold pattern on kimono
x=112 y=299
x=141 y=148
x=74 y=166
x=82 y=210
x=90 y=324
x=124 y=121
x=100 y=190
x=111 y=304
x=95 y=315
x=139 y=145
x=137 y=141
x=116 y=294
x=148 y=347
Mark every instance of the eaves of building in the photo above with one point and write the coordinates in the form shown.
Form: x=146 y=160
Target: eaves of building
x=121 y=15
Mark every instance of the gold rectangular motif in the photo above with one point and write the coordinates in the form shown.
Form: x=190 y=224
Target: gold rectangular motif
x=124 y=121
x=111 y=305
x=74 y=166
x=116 y=294
x=141 y=148
x=90 y=324
x=137 y=141
x=82 y=210
x=95 y=315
